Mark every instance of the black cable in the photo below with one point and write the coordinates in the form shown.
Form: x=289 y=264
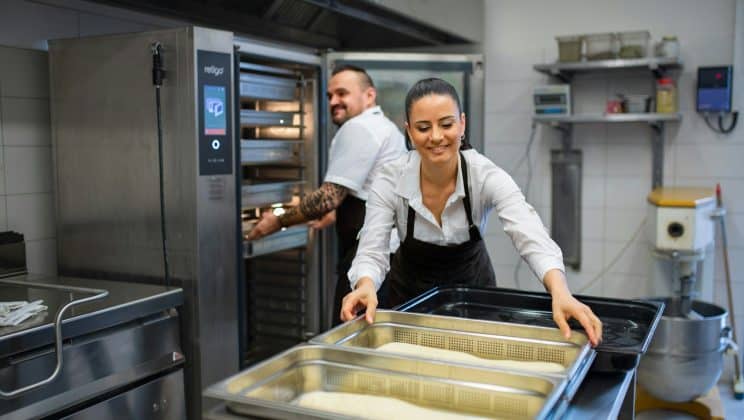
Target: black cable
x=720 y=128
x=735 y=117
x=158 y=74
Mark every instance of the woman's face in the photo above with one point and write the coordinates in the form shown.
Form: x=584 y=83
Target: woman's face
x=435 y=126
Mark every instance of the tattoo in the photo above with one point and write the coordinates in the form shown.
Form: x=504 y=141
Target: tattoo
x=316 y=204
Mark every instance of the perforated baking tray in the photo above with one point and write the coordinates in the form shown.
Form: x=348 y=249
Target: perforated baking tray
x=628 y=325
x=483 y=339
x=269 y=388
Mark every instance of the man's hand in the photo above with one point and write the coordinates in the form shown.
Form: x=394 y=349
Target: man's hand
x=268 y=224
x=325 y=221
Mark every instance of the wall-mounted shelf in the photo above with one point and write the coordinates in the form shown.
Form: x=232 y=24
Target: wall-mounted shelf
x=566 y=162
x=649 y=117
x=565 y=71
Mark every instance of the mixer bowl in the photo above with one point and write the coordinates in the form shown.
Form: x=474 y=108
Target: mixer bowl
x=685 y=358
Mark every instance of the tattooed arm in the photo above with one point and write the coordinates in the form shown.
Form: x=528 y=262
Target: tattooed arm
x=313 y=206
x=316 y=204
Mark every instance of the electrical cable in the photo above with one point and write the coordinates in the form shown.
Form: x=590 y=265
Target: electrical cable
x=720 y=128
x=614 y=260
x=735 y=117
x=158 y=74
x=526 y=156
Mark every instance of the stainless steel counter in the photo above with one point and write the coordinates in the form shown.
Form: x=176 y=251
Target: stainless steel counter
x=115 y=351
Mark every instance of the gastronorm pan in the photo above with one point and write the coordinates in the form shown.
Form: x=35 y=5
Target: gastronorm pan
x=627 y=325
x=268 y=151
x=268 y=389
x=260 y=86
x=266 y=192
x=484 y=339
x=291 y=237
x=251 y=117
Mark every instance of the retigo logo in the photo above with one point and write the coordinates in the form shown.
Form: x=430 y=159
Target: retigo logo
x=214 y=70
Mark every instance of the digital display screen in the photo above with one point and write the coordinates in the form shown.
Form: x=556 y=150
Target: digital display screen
x=215 y=118
x=557 y=99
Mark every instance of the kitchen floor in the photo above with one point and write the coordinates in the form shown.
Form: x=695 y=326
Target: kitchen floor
x=733 y=409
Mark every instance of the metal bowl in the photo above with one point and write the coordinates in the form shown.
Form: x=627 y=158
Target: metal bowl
x=686 y=355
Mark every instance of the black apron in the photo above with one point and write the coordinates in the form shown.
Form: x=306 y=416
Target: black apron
x=418 y=266
x=349 y=221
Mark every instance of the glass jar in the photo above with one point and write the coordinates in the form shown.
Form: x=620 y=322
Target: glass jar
x=668 y=47
x=666 y=96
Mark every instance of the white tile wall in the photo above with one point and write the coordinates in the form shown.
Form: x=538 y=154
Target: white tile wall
x=616 y=157
x=26 y=170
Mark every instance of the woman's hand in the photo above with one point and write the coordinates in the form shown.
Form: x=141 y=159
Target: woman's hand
x=565 y=307
x=364 y=296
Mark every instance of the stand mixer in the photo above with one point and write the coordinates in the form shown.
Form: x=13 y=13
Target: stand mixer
x=685 y=358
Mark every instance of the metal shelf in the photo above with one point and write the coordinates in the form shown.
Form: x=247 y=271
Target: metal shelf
x=649 y=117
x=566 y=70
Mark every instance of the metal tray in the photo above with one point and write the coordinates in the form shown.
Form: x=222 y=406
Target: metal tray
x=260 y=86
x=268 y=151
x=265 y=193
x=268 y=388
x=291 y=237
x=484 y=339
x=628 y=325
x=251 y=117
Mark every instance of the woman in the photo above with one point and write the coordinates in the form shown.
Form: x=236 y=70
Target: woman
x=432 y=196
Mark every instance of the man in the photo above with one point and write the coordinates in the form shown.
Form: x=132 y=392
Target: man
x=365 y=141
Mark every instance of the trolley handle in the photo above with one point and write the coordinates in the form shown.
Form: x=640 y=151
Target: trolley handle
x=96 y=295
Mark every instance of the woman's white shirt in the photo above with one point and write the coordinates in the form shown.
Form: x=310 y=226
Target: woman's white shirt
x=398 y=185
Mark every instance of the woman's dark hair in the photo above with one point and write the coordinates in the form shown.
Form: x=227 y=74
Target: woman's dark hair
x=432 y=86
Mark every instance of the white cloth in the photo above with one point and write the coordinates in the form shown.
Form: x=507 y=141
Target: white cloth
x=361 y=146
x=13 y=313
x=491 y=187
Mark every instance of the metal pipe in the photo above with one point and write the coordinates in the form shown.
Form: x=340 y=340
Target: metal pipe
x=96 y=294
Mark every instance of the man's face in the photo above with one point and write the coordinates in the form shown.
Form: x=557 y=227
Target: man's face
x=348 y=97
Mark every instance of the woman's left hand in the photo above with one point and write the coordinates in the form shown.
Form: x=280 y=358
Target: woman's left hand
x=565 y=307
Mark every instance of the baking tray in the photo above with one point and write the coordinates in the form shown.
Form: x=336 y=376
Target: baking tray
x=483 y=339
x=268 y=151
x=287 y=238
x=251 y=117
x=628 y=325
x=264 y=193
x=258 y=86
x=268 y=388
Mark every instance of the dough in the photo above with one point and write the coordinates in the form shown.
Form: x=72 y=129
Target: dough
x=457 y=356
x=374 y=407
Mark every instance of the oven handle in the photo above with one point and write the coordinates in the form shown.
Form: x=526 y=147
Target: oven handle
x=96 y=295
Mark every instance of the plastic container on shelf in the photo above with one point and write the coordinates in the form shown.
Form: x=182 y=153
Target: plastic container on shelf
x=569 y=48
x=668 y=47
x=666 y=96
x=601 y=46
x=633 y=44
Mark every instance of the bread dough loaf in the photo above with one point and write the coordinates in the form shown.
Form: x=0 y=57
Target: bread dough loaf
x=374 y=407
x=457 y=356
